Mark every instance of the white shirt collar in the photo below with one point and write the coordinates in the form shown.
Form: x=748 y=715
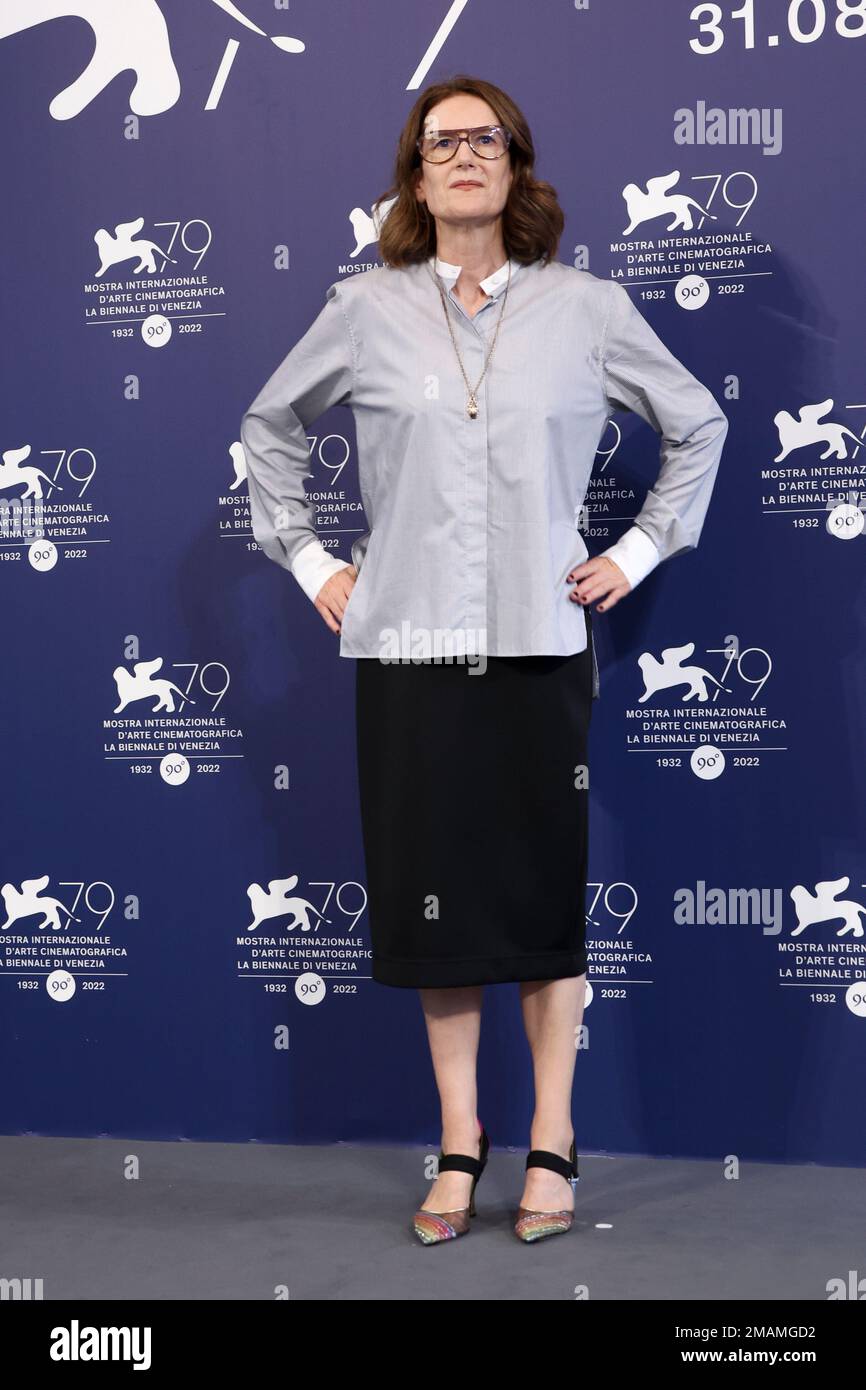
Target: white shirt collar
x=491 y=285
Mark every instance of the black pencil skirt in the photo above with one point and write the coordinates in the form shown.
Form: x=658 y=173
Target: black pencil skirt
x=474 y=813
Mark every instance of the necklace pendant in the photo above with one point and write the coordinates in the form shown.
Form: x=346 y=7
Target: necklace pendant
x=472 y=407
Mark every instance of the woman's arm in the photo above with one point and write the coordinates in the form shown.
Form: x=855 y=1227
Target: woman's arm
x=318 y=372
x=640 y=374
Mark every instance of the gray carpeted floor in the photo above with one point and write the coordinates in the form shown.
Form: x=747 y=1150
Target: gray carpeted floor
x=242 y=1221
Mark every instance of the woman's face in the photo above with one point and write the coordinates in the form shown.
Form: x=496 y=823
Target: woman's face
x=466 y=190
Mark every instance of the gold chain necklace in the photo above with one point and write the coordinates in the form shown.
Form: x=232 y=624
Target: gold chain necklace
x=472 y=400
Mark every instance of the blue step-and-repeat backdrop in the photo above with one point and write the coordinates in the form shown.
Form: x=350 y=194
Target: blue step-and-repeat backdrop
x=184 y=944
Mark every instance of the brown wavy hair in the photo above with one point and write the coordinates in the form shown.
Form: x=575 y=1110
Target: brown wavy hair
x=532 y=219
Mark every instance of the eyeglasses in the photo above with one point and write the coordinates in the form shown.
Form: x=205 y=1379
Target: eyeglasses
x=488 y=141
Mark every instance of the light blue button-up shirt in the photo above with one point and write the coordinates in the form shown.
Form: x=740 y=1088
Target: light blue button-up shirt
x=472 y=522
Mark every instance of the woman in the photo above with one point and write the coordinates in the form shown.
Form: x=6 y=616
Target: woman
x=481 y=373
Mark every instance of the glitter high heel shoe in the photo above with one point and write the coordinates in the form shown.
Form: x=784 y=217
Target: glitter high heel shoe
x=431 y=1227
x=534 y=1225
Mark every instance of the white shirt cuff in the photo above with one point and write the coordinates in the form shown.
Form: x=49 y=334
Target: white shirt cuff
x=313 y=565
x=635 y=554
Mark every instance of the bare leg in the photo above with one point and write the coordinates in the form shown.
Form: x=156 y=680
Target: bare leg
x=552 y=1014
x=453 y=1018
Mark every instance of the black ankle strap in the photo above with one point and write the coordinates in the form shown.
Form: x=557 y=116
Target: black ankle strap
x=542 y=1158
x=465 y=1163
x=460 y=1163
